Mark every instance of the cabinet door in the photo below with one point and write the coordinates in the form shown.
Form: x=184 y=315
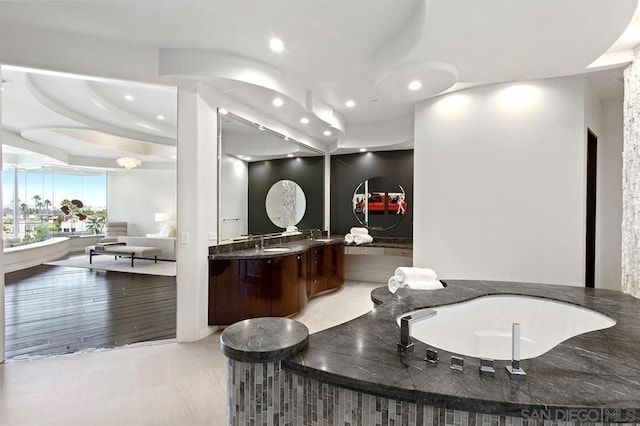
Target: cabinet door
x=224 y=298
x=303 y=277
x=255 y=288
x=334 y=266
x=317 y=280
x=284 y=286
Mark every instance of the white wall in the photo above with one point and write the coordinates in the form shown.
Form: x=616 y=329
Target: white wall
x=234 y=197
x=500 y=187
x=609 y=214
x=136 y=195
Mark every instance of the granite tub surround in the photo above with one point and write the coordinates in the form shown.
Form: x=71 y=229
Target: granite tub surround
x=597 y=372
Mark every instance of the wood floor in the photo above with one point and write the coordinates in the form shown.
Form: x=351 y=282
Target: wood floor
x=56 y=310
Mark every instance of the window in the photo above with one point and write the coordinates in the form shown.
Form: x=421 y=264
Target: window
x=33 y=198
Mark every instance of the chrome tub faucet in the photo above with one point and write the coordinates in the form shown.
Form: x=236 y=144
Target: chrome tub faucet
x=405 y=344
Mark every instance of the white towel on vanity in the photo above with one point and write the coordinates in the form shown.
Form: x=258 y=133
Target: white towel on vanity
x=348 y=238
x=393 y=284
x=362 y=239
x=359 y=231
x=405 y=274
x=424 y=285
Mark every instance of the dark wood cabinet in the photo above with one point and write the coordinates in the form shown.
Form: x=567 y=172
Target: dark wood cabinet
x=317 y=280
x=284 y=286
x=274 y=286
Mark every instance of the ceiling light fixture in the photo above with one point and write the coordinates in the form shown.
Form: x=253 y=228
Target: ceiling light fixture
x=129 y=97
x=223 y=111
x=290 y=155
x=363 y=149
x=278 y=102
x=276 y=45
x=350 y=103
x=128 y=162
x=260 y=127
x=415 y=85
x=304 y=120
x=160 y=117
x=327 y=133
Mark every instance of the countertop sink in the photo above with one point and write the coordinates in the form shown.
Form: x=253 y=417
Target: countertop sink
x=276 y=249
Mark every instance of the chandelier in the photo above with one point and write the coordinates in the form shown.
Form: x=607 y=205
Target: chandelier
x=128 y=162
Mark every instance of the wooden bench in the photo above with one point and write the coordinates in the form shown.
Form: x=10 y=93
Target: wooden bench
x=139 y=252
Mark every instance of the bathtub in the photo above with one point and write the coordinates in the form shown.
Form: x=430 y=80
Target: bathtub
x=482 y=327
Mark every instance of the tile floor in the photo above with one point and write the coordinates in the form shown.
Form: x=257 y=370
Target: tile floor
x=160 y=384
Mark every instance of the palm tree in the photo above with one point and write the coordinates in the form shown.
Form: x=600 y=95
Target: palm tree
x=38 y=200
x=47 y=204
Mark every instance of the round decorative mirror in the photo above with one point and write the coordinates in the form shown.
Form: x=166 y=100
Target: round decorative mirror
x=379 y=203
x=285 y=203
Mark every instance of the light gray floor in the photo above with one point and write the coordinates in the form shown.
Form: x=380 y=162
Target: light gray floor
x=160 y=384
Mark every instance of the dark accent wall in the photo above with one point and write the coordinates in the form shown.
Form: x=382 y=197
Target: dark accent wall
x=349 y=170
x=307 y=172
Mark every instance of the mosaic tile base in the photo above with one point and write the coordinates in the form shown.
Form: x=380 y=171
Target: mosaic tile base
x=265 y=394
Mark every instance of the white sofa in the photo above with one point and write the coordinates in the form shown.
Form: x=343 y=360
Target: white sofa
x=166 y=244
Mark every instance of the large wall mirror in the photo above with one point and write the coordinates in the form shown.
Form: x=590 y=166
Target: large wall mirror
x=266 y=181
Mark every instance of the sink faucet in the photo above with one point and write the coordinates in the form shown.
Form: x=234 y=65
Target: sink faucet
x=261 y=241
x=311 y=234
x=405 y=344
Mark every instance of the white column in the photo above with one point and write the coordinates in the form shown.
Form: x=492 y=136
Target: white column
x=631 y=180
x=196 y=212
x=2 y=325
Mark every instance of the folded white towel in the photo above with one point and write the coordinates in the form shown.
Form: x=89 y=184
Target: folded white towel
x=406 y=274
x=348 y=238
x=291 y=228
x=362 y=239
x=424 y=285
x=393 y=284
x=359 y=231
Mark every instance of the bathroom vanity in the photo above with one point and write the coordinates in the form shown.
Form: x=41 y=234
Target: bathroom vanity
x=276 y=280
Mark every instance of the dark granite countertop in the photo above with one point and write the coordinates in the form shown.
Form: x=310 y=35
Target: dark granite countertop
x=295 y=247
x=600 y=369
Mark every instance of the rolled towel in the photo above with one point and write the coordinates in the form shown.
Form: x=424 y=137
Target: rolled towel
x=291 y=228
x=359 y=231
x=348 y=238
x=393 y=284
x=405 y=274
x=362 y=239
x=424 y=285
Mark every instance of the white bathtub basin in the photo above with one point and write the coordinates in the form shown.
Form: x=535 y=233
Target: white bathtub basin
x=482 y=327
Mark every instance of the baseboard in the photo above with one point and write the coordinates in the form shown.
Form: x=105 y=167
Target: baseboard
x=207 y=331
x=371 y=277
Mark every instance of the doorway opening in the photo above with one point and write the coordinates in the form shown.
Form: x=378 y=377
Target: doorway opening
x=592 y=165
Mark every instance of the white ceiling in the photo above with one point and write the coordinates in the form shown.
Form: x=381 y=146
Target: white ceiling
x=335 y=50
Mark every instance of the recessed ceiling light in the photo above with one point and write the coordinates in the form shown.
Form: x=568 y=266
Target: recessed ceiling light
x=278 y=102
x=289 y=155
x=415 y=85
x=160 y=117
x=276 y=45
x=363 y=149
x=327 y=133
x=128 y=97
x=223 y=111
x=260 y=127
x=286 y=138
x=304 y=120
x=350 y=103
